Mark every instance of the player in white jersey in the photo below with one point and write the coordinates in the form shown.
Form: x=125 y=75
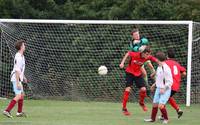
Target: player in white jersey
x=163 y=83
x=17 y=77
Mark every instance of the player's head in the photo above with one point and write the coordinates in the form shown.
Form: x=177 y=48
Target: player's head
x=135 y=34
x=146 y=53
x=170 y=53
x=161 y=56
x=20 y=45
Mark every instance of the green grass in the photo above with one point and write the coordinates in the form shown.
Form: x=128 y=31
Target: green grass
x=48 y=112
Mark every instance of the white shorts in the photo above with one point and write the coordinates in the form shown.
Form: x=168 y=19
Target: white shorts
x=161 y=98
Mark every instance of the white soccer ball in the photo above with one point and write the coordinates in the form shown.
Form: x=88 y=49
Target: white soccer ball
x=102 y=70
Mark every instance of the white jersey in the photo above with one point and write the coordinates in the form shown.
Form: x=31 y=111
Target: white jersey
x=19 y=65
x=163 y=76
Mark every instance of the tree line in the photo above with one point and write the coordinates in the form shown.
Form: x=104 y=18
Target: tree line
x=101 y=9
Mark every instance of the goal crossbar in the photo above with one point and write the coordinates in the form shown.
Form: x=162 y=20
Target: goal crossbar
x=94 y=21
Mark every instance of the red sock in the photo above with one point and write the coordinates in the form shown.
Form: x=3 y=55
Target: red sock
x=10 y=106
x=142 y=96
x=154 y=113
x=164 y=113
x=172 y=102
x=125 y=98
x=20 y=105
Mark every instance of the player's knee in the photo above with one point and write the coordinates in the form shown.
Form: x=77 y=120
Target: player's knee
x=161 y=106
x=143 y=89
x=22 y=96
x=144 y=74
x=17 y=97
x=155 y=105
x=128 y=89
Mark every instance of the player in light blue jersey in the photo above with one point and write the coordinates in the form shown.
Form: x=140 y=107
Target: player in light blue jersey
x=164 y=81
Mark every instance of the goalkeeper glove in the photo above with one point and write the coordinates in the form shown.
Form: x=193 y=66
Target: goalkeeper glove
x=144 y=41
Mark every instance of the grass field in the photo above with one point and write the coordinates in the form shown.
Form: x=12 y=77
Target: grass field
x=48 y=112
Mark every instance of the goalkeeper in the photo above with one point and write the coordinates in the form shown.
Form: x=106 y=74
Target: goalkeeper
x=139 y=44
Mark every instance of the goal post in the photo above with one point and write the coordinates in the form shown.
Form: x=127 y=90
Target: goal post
x=100 y=41
x=189 y=63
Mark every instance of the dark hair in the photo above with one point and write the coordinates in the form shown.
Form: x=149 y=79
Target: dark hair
x=170 y=53
x=161 y=56
x=134 y=30
x=19 y=44
x=147 y=50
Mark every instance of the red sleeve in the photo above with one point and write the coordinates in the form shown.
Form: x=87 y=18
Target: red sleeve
x=153 y=59
x=181 y=68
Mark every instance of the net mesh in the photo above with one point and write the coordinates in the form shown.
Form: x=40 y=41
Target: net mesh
x=195 y=67
x=62 y=59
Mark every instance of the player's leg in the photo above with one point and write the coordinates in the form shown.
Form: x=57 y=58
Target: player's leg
x=162 y=102
x=129 y=82
x=10 y=106
x=173 y=103
x=20 y=113
x=155 y=106
x=164 y=113
x=140 y=83
x=13 y=101
x=144 y=73
x=153 y=113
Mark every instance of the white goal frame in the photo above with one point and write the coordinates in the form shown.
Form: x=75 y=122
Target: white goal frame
x=190 y=33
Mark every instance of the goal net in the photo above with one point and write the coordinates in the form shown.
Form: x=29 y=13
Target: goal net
x=195 y=65
x=62 y=57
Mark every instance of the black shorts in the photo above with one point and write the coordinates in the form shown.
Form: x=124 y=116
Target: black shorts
x=173 y=93
x=139 y=80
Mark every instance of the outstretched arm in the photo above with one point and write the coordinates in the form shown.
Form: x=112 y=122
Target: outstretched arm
x=153 y=72
x=123 y=60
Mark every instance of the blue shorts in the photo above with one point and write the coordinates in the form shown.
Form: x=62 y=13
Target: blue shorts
x=161 y=98
x=16 y=90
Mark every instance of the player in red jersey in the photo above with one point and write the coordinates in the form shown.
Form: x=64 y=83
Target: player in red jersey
x=134 y=73
x=177 y=70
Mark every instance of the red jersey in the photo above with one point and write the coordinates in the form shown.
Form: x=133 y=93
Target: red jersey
x=176 y=70
x=136 y=62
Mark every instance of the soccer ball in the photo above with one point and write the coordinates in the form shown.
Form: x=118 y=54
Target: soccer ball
x=102 y=70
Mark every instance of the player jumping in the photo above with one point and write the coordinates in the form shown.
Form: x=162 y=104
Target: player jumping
x=133 y=73
x=137 y=45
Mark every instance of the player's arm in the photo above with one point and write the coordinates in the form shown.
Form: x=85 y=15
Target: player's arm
x=153 y=72
x=134 y=47
x=17 y=72
x=154 y=59
x=152 y=88
x=183 y=74
x=143 y=44
x=123 y=60
x=183 y=71
x=25 y=79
